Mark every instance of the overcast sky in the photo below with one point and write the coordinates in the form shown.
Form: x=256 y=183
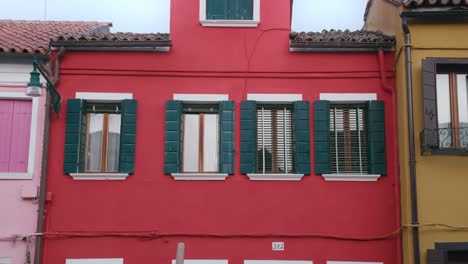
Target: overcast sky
x=153 y=15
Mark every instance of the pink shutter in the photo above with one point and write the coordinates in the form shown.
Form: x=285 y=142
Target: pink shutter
x=6 y=123
x=21 y=134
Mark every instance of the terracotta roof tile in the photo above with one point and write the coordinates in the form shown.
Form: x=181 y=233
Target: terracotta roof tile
x=435 y=3
x=30 y=37
x=341 y=39
x=113 y=40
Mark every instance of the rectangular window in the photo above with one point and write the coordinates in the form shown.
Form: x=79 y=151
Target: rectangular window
x=452 y=109
x=102 y=137
x=200 y=140
x=275 y=149
x=15 y=129
x=348 y=139
x=229 y=9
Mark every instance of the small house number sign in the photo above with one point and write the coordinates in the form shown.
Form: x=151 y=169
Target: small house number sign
x=278 y=246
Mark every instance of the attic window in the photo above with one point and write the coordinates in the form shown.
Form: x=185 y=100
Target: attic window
x=229 y=13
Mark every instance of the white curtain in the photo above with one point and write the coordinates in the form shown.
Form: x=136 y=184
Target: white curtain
x=94 y=142
x=210 y=143
x=113 y=143
x=191 y=143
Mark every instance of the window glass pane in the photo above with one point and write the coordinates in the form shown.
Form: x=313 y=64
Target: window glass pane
x=463 y=108
x=210 y=143
x=443 y=110
x=113 y=142
x=348 y=140
x=94 y=142
x=191 y=143
x=275 y=140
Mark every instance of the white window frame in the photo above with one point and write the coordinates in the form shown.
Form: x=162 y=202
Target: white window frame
x=278 y=262
x=203 y=261
x=32 y=137
x=349 y=98
x=200 y=99
x=95 y=261
x=275 y=99
x=230 y=23
x=352 y=262
x=6 y=260
x=102 y=98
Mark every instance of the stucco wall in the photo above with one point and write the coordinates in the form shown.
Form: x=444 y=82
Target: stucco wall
x=18 y=215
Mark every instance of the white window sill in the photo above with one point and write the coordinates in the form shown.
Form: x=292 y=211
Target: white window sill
x=199 y=176
x=229 y=23
x=15 y=176
x=351 y=177
x=99 y=176
x=274 y=177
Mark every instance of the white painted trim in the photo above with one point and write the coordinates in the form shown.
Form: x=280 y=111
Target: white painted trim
x=352 y=262
x=274 y=177
x=16 y=175
x=201 y=98
x=348 y=97
x=104 y=97
x=96 y=261
x=230 y=23
x=199 y=176
x=6 y=261
x=351 y=177
x=32 y=135
x=203 y=261
x=99 y=176
x=275 y=98
x=278 y=262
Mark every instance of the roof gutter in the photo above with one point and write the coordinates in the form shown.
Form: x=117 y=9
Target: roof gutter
x=112 y=45
x=301 y=46
x=414 y=196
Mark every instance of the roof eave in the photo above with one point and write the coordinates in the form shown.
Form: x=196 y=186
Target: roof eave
x=437 y=13
x=114 y=45
x=339 y=47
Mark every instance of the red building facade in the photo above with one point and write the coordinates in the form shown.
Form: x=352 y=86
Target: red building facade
x=233 y=135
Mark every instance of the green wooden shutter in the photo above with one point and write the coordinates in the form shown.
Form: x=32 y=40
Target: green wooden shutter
x=376 y=153
x=243 y=10
x=217 y=9
x=75 y=133
x=322 y=136
x=172 y=148
x=302 y=137
x=248 y=141
x=127 y=136
x=226 y=147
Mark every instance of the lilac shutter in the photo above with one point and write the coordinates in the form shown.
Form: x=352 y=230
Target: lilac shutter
x=21 y=134
x=6 y=121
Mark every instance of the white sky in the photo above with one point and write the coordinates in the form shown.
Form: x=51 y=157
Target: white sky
x=153 y=15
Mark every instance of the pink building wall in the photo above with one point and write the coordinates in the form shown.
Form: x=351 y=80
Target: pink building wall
x=18 y=204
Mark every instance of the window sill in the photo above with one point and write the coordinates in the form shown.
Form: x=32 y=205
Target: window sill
x=199 y=176
x=229 y=23
x=99 y=176
x=15 y=176
x=274 y=177
x=351 y=177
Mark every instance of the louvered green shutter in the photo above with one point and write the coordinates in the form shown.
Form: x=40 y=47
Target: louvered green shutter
x=226 y=147
x=75 y=133
x=217 y=9
x=322 y=136
x=172 y=148
x=248 y=135
x=302 y=137
x=376 y=138
x=127 y=136
x=243 y=10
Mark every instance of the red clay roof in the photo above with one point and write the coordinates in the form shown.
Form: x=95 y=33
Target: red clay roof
x=33 y=37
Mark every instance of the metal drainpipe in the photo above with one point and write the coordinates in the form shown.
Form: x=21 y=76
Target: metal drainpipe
x=414 y=194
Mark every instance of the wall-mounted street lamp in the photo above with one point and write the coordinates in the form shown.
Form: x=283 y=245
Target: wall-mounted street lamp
x=34 y=86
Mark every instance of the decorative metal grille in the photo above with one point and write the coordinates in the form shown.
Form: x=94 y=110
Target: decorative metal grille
x=348 y=139
x=275 y=152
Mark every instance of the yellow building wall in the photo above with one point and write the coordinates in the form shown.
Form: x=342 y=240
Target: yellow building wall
x=442 y=181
